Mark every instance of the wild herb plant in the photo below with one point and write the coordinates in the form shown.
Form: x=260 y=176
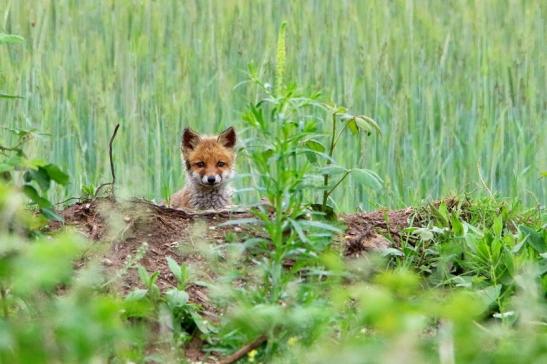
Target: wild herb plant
x=481 y=245
x=295 y=175
x=290 y=163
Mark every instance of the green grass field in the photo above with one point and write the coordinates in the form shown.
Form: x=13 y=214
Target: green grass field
x=458 y=87
x=458 y=90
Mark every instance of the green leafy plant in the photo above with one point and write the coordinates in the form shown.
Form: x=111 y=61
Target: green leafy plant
x=48 y=311
x=37 y=175
x=291 y=167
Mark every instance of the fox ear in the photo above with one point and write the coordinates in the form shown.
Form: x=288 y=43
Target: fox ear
x=228 y=138
x=189 y=140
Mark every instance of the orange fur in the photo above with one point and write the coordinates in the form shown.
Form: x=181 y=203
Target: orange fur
x=206 y=159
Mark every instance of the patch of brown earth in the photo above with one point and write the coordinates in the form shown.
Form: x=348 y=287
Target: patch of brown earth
x=141 y=232
x=158 y=232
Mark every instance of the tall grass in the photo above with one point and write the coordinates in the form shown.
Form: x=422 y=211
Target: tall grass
x=457 y=87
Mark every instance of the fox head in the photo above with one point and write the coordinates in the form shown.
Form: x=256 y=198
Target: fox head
x=209 y=161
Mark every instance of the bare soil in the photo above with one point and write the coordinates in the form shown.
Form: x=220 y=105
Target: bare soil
x=140 y=231
x=175 y=232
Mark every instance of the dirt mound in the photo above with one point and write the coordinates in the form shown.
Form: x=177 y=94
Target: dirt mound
x=141 y=230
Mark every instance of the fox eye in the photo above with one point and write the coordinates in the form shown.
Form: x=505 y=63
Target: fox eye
x=221 y=164
x=200 y=164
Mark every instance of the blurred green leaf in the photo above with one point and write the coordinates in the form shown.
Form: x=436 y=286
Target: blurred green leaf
x=41 y=177
x=143 y=275
x=315 y=145
x=332 y=170
x=10 y=39
x=176 y=298
x=35 y=197
x=490 y=294
x=45 y=264
x=174 y=267
x=8 y=96
x=367 y=124
x=367 y=177
x=352 y=126
x=56 y=174
x=51 y=214
x=321 y=225
x=534 y=238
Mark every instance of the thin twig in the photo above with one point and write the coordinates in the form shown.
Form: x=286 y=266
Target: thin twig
x=110 y=156
x=112 y=171
x=338 y=183
x=67 y=200
x=243 y=351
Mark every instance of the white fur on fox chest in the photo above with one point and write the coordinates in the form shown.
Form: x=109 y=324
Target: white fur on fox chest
x=205 y=198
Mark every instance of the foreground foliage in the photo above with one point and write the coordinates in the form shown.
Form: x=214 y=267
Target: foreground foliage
x=468 y=287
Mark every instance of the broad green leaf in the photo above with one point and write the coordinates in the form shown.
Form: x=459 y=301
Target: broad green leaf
x=200 y=323
x=45 y=264
x=535 y=239
x=321 y=225
x=56 y=174
x=425 y=234
x=16 y=161
x=174 y=267
x=497 y=226
x=33 y=163
x=176 y=298
x=143 y=275
x=392 y=252
x=352 y=126
x=315 y=145
x=344 y=116
x=5 y=167
x=332 y=170
x=367 y=177
x=35 y=197
x=457 y=227
x=489 y=294
x=136 y=294
x=299 y=231
x=40 y=176
x=367 y=124
x=50 y=214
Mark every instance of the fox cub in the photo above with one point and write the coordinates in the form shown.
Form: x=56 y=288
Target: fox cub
x=209 y=163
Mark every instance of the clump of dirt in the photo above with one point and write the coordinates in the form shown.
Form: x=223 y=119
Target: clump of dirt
x=381 y=229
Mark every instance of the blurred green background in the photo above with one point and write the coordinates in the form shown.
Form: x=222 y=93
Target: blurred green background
x=458 y=87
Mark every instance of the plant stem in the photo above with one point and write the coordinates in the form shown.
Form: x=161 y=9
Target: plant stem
x=3 y=295
x=339 y=134
x=337 y=183
x=331 y=151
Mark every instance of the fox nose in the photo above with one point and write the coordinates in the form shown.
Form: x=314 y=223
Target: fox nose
x=211 y=180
